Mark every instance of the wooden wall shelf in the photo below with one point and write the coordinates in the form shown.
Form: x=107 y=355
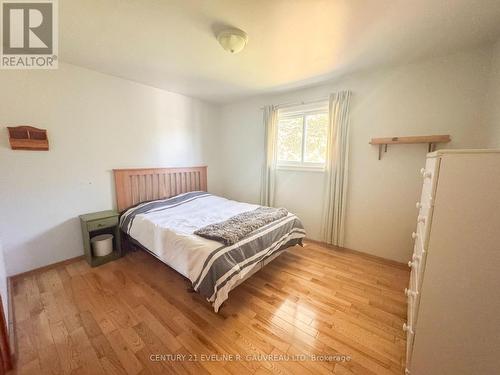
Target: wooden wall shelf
x=431 y=140
x=28 y=138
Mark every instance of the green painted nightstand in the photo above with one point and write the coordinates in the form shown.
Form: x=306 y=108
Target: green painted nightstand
x=99 y=223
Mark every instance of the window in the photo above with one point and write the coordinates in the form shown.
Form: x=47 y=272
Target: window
x=302 y=136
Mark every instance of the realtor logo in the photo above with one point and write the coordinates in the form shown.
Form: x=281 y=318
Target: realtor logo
x=29 y=34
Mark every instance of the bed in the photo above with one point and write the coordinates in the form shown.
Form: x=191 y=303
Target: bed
x=161 y=208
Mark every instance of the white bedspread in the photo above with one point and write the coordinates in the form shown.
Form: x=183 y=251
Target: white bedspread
x=169 y=233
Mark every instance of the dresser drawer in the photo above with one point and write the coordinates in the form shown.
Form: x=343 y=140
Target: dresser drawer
x=413 y=292
x=413 y=295
x=422 y=230
x=410 y=336
x=411 y=309
x=414 y=284
x=429 y=176
x=102 y=223
x=419 y=250
x=429 y=172
x=424 y=207
x=418 y=261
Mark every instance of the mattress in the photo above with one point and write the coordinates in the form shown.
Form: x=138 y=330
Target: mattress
x=165 y=228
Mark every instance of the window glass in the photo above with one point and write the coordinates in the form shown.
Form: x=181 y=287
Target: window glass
x=290 y=139
x=316 y=138
x=302 y=136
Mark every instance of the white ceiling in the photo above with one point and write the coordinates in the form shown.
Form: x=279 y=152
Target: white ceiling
x=170 y=44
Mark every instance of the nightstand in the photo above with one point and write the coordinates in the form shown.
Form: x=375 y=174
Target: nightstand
x=100 y=223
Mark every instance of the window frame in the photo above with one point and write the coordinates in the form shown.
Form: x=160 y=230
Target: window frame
x=302 y=164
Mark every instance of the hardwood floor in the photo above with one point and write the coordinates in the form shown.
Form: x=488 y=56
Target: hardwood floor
x=114 y=319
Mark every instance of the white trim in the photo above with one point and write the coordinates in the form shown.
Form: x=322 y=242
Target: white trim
x=296 y=104
x=301 y=168
x=300 y=112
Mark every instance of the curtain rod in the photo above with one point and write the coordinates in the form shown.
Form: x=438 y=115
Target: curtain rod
x=291 y=104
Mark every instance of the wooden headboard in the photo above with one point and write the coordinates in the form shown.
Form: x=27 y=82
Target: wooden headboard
x=134 y=186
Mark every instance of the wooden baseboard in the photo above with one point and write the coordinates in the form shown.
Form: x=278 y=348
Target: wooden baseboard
x=46 y=268
x=363 y=254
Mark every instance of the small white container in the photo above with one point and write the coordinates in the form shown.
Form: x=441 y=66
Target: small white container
x=102 y=244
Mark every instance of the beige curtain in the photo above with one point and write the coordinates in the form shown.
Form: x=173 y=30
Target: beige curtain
x=337 y=168
x=269 y=169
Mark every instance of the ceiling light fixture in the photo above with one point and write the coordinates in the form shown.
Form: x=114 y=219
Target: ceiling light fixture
x=232 y=40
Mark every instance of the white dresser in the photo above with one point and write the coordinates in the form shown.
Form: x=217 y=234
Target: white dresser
x=453 y=324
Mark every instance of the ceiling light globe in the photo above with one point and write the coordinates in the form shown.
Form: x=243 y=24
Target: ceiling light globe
x=232 y=40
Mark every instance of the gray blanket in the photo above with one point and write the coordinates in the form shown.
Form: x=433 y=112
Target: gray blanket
x=234 y=229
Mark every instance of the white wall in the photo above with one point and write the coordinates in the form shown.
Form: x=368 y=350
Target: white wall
x=3 y=287
x=439 y=96
x=493 y=102
x=95 y=123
